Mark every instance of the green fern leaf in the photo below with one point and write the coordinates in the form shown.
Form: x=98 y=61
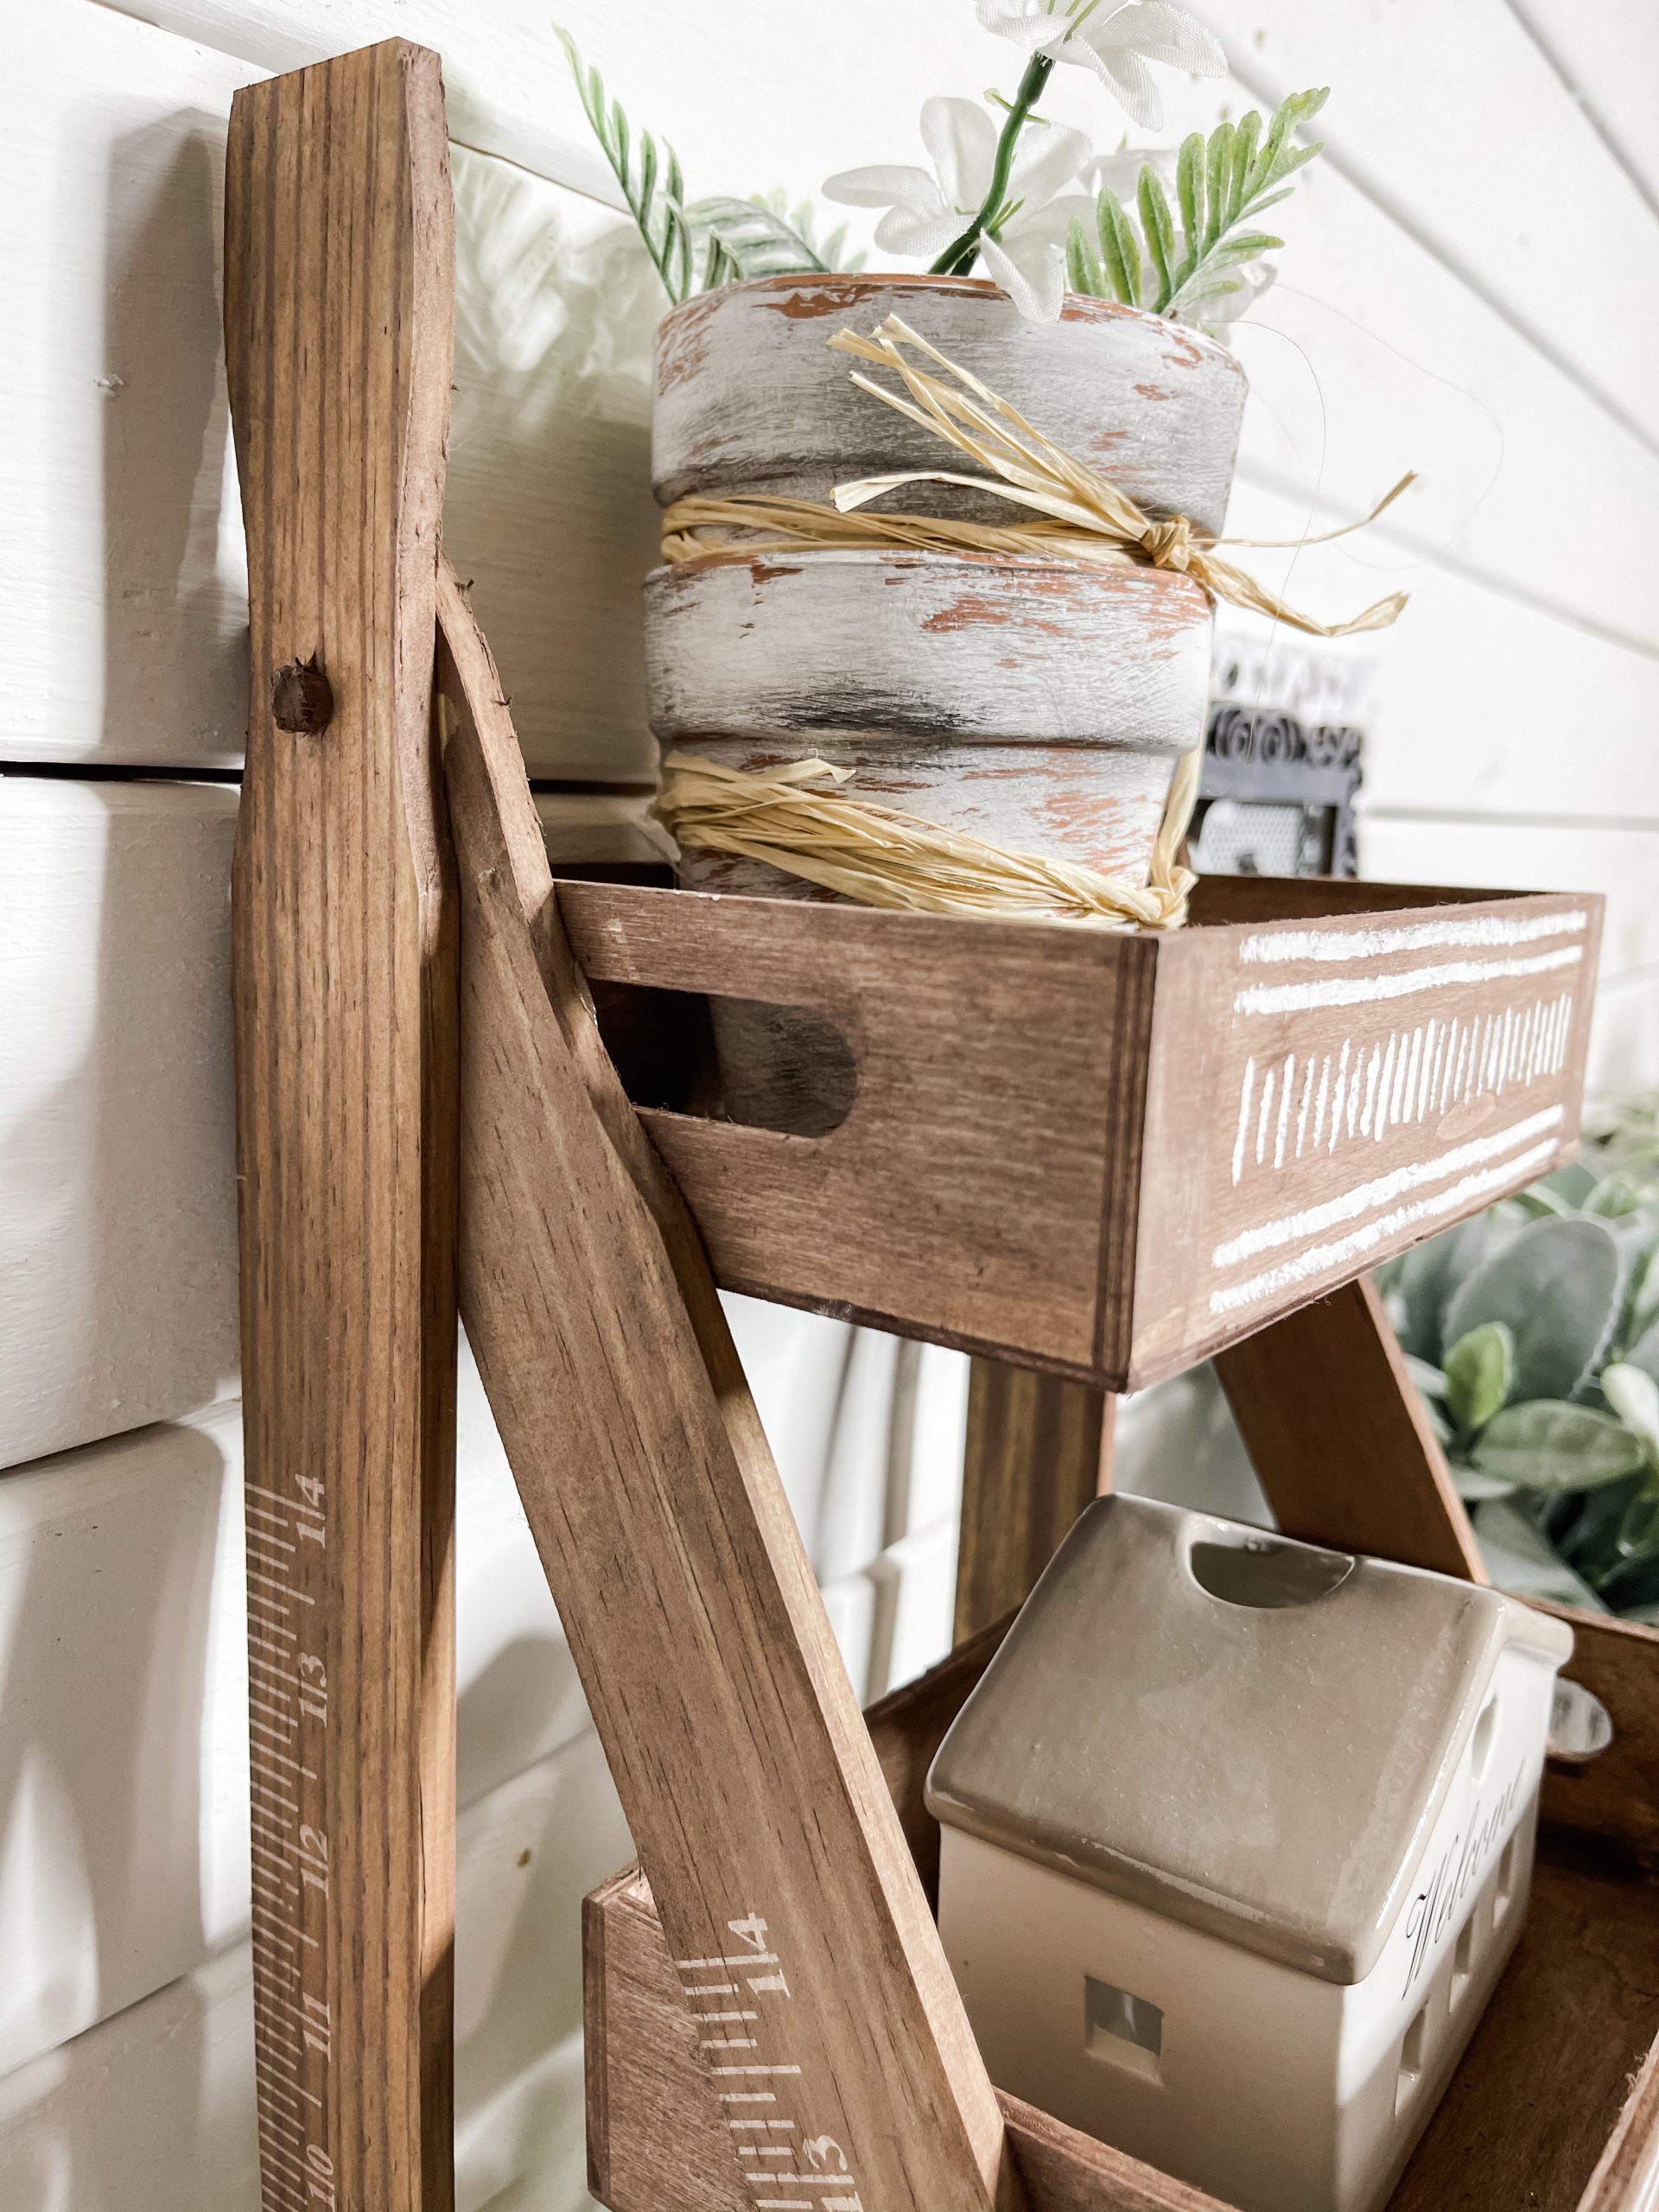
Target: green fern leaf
x=757 y=240
x=1158 y=226
x=1245 y=175
x=1245 y=139
x=1083 y=272
x=1221 y=167
x=1120 y=248
x=1190 y=189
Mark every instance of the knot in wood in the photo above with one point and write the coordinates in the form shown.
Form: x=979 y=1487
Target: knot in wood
x=301 y=697
x=1169 y=544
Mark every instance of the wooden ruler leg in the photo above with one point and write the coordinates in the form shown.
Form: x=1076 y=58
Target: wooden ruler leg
x=1038 y=1450
x=795 y=1919
x=1339 y=1440
x=339 y=294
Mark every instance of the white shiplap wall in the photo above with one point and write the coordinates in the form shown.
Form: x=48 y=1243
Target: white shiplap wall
x=1470 y=290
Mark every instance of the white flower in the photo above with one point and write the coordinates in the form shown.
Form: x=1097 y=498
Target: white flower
x=1115 y=39
x=926 y=212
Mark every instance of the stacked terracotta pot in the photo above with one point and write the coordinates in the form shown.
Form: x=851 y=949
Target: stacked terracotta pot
x=1040 y=705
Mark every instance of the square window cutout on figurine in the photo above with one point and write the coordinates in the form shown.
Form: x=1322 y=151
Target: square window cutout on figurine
x=1237 y=1835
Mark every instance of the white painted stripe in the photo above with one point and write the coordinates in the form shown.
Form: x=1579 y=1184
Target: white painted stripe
x=1301 y=1114
x=1245 y=1088
x=1284 y=1110
x=1463 y=1196
x=1342 y=1085
x=1449 y=1079
x=1380 y=1189
x=1319 y=1111
x=1483 y=931
x=1389 y=1090
x=1361 y=990
x=1370 y=1089
x=1262 y=1120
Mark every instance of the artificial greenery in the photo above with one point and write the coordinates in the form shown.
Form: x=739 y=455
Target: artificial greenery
x=1533 y=1333
x=699 y=243
x=1223 y=184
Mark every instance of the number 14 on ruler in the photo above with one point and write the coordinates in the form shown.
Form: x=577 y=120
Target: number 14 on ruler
x=735 y=2001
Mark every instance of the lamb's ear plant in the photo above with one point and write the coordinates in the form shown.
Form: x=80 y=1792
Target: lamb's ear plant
x=699 y=243
x=1223 y=184
x=1533 y=1331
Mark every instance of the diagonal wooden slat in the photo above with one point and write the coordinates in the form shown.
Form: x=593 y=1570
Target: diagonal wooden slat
x=1339 y=1438
x=794 y=1912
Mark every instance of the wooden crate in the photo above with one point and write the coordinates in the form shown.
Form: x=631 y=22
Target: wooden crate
x=1108 y=1155
x=1554 y=2107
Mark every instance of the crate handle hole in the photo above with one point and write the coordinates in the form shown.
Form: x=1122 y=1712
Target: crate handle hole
x=718 y=1059
x=1121 y=2028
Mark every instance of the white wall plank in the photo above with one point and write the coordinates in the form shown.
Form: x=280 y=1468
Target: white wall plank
x=120 y=534
x=118 y=1190
x=153 y=2110
x=548 y=504
x=1452 y=119
x=1369 y=357
x=123 y=1774
x=118 y=1194
x=1475 y=701
x=125 y=591
x=123 y=1714
x=1627 y=1033
x=1607 y=56
x=1403 y=365
x=123 y=1676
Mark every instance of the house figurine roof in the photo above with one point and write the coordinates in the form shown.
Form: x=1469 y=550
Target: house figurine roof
x=1247 y=1734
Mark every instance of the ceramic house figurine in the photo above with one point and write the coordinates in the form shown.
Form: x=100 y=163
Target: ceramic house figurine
x=1237 y=1837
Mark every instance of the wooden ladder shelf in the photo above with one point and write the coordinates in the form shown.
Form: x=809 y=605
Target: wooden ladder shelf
x=1097 y=1159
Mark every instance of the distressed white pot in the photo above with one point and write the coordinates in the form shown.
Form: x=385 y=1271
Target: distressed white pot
x=751 y=398
x=1038 y=705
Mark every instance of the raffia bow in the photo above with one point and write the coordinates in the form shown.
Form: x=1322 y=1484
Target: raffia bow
x=1080 y=515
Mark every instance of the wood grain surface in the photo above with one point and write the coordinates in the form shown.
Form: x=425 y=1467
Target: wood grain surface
x=1038 y=1450
x=338 y=292
x=799 y=1927
x=1111 y=1155
x=1339 y=1440
x=1616 y=1795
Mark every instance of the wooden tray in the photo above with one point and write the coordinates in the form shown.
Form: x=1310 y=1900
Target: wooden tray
x=1554 y=2107
x=1107 y=1155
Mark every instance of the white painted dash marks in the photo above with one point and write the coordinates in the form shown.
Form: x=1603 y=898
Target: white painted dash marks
x=1456 y=1097
x=775 y=2152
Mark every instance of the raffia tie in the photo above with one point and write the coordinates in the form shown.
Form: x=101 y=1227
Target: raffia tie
x=1079 y=515
x=881 y=857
